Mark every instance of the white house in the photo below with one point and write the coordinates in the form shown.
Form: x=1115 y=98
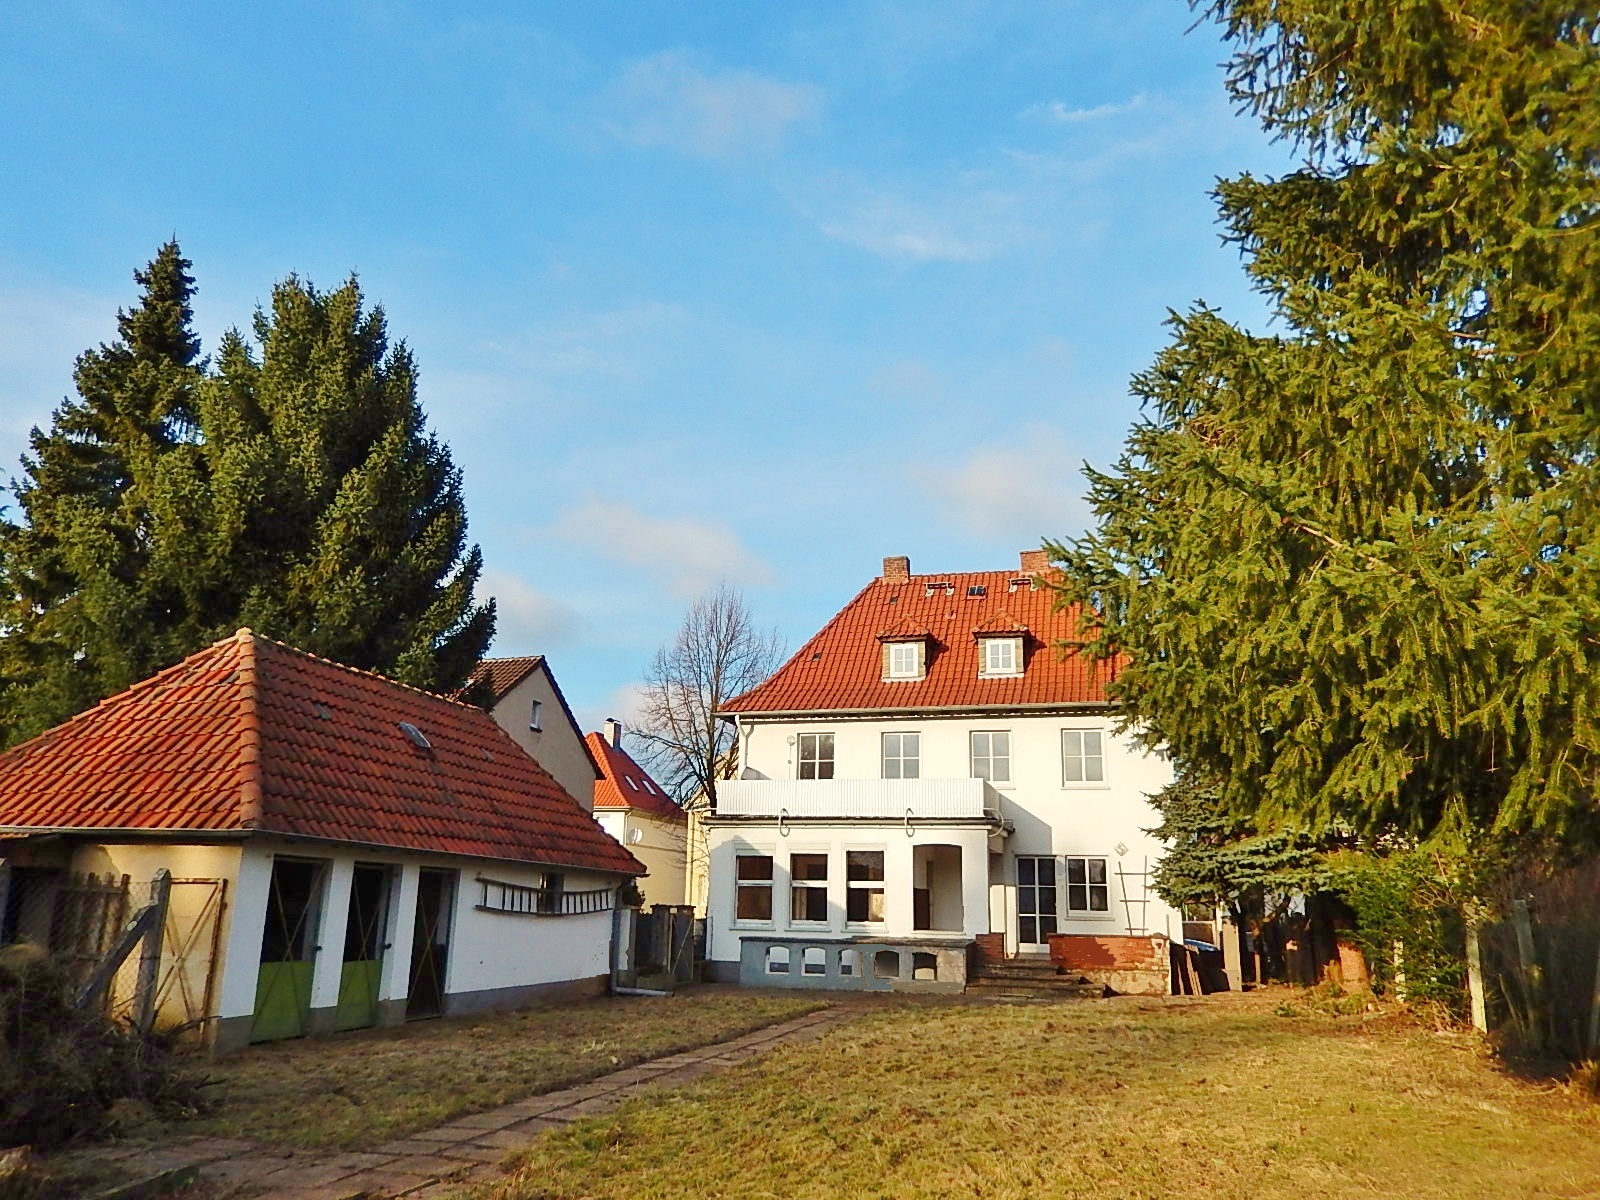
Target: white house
x=344 y=851
x=929 y=777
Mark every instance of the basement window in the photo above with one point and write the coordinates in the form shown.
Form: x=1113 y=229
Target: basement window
x=777 y=960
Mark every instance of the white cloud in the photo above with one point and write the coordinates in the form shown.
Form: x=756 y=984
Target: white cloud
x=1060 y=114
x=667 y=101
x=624 y=704
x=1025 y=489
x=683 y=554
x=967 y=222
x=529 y=621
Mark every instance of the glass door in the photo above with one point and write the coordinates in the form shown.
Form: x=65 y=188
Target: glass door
x=1036 y=901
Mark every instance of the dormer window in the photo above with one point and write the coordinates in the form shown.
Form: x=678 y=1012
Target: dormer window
x=999 y=656
x=903 y=660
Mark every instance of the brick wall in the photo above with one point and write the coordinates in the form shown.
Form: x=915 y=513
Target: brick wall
x=989 y=948
x=1092 y=952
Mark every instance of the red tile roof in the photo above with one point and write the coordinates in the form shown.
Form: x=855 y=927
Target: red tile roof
x=841 y=668
x=623 y=782
x=500 y=675
x=250 y=735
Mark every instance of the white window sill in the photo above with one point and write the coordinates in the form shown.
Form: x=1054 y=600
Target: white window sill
x=768 y=926
x=1086 y=787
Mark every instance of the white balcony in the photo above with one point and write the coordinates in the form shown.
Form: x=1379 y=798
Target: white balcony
x=868 y=799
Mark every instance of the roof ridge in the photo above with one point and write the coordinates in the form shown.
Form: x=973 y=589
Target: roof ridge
x=251 y=805
x=299 y=653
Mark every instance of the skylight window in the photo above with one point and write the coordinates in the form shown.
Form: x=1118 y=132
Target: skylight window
x=418 y=739
x=977 y=591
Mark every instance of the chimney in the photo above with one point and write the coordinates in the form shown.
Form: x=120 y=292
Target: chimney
x=613 y=733
x=1035 y=562
x=896 y=569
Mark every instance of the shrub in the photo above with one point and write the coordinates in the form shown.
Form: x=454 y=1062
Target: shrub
x=61 y=1068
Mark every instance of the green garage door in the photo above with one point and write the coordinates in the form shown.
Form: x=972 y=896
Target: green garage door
x=283 y=987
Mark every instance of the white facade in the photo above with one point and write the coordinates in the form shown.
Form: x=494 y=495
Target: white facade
x=1042 y=822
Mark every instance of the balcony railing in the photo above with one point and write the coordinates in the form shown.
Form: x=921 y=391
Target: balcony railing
x=873 y=799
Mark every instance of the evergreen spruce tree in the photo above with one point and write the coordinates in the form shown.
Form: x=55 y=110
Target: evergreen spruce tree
x=94 y=586
x=337 y=518
x=1356 y=565
x=296 y=491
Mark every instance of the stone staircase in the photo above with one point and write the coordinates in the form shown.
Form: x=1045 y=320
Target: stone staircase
x=1028 y=979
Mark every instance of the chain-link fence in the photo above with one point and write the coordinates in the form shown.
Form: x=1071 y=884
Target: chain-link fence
x=142 y=951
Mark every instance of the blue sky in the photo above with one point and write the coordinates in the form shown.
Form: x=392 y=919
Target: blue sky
x=755 y=292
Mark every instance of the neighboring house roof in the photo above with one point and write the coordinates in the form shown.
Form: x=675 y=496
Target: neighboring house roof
x=625 y=784
x=252 y=736
x=500 y=675
x=841 y=668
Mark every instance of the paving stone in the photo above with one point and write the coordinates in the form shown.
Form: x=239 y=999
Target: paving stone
x=496 y=1119
x=408 y=1146
x=477 y=1153
x=362 y=1160
x=384 y=1182
x=204 y=1150
x=434 y=1165
x=305 y=1175
x=443 y=1133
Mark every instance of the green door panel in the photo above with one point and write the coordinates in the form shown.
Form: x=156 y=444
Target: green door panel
x=358 y=994
x=283 y=1001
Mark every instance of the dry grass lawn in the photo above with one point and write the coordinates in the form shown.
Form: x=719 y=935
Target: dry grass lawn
x=1222 y=1098
x=359 y=1089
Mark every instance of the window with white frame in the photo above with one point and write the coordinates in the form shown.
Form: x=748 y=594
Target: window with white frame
x=1082 y=756
x=535 y=716
x=816 y=756
x=1088 y=889
x=903 y=660
x=991 y=755
x=1000 y=656
x=753 y=887
x=863 y=871
x=902 y=755
x=808 y=888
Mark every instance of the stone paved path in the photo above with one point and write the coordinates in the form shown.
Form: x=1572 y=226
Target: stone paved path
x=432 y=1162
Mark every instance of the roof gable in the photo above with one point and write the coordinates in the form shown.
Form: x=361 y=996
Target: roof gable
x=841 y=668
x=252 y=735
x=625 y=784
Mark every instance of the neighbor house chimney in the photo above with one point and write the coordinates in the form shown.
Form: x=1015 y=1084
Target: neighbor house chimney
x=896 y=569
x=614 y=733
x=1035 y=561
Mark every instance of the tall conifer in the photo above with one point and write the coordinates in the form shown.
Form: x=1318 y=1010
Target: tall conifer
x=1357 y=564
x=295 y=490
x=338 y=518
x=107 y=498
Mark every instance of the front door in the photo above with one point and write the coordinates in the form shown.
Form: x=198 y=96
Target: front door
x=365 y=930
x=288 y=946
x=1036 y=901
x=430 y=945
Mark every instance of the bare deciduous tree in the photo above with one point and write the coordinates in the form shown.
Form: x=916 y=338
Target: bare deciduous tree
x=717 y=653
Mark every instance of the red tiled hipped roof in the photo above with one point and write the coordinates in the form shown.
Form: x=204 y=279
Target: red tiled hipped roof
x=623 y=782
x=841 y=668
x=250 y=735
